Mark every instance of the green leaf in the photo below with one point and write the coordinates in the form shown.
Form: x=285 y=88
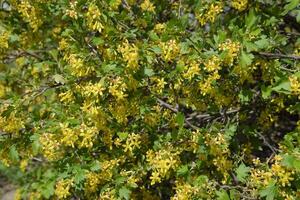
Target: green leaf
x=250 y=19
x=250 y=46
x=283 y=86
x=246 y=59
x=79 y=175
x=180 y=119
x=13 y=154
x=202 y=179
x=290 y=6
x=291 y=162
x=262 y=43
x=35 y=144
x=242 y=172
x=97 y=41
x=59 y=79
x=124 y=193
x=48 y=189
x=270 y=191
x=120 y=180
x=183 y=170
x=122 y=135
x=222 y=195
x=156 y=50
x=109 y=67
x=95 y=166
x=230 y=131
x=266 y=92
x=54 y=54
x=149 y=72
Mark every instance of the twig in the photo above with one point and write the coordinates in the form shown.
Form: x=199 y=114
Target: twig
x=93 y=50
x=202 y=116
x=194 y=45
x=279 y=55
x=287 y=69
x=37 y=159
x=175 y=110
x=166 y=105
x=265 y=141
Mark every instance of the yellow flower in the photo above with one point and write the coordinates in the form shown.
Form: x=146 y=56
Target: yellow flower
x=87 y=135
x=193 y=70
x=295 y=85
x=148 y=6
x=117 y=88
x=62 y=188
x=69 y=136
x=159 y=28
x=133 y=141
x=50 y=146
x=2 y=91
x=23 y=164
x=162 y=162
x=66 y=97
x=4 y=38
x=77 y=67
x=209 y=15
x=72 y=11
x=92 y=182
x=93 y=18
x=232 y=49
x=240 y=5
x=155 y=177
x=30 y=15
x=170 y=49
x=213 y=64
x=93 y=90
x=159 y=84
x=130 y=54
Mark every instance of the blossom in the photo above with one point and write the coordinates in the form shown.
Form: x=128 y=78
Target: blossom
x=148 y=6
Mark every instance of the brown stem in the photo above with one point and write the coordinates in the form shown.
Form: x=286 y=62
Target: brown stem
x=279 y=55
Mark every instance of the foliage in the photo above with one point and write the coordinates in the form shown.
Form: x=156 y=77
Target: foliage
x=127 y=99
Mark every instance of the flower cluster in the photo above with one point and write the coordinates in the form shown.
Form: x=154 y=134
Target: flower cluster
x=232 y=49
x=240 y=5
x=93 y=18
x=133 y=141
x=148 y=6
x=4 y=39
x=295 y=85
x=210 y=13
x=130 y=54
x=62 y=189
x=30 y=14
x=161 y=163
x=170 y=49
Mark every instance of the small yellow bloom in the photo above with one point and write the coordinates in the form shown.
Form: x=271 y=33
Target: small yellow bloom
x=155 y=178
x=62 y=188
x=148 y=6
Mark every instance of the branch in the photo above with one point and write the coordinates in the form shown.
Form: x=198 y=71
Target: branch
x=279 y=55
x=203 y=116
x=175 y=110
x=265 y=141
x=166 y=105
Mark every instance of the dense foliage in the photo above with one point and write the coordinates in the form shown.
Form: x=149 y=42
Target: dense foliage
x=150 y=99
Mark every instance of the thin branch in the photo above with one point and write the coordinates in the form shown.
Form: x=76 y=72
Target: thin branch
x=208 y=116
x=166 y=105
x=37 y=159
x=175 y=110
x=279 y=55
x=265 y=141
x=194 y=45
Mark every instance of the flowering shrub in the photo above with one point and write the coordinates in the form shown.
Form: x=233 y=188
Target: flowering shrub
x=149 y=99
